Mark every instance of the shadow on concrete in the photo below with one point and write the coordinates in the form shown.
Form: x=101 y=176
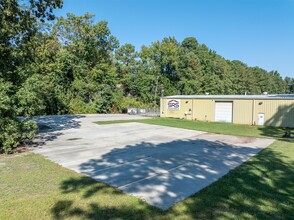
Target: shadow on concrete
x=50 y=127
x=283 y=119
x=244 y=192
x=259 y=189
x=181 y=168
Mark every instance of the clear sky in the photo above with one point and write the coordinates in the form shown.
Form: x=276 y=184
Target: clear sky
x=257 y=32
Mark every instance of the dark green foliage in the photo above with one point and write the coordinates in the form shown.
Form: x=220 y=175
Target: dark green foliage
x=289 y=85
x=13 y=132
x=74 y=65
x=20 y=91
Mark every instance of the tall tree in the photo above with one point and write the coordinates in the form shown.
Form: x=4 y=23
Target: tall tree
x=126 y=57
x=189 y=68
x=289 y=82
x=91 y=46
x=18 y=30
x=19 y=25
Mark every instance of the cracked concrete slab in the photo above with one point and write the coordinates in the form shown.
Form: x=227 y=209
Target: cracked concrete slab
x=161 y=165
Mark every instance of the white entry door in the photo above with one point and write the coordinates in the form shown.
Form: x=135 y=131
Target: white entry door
x=224 y=111
x=260 y=118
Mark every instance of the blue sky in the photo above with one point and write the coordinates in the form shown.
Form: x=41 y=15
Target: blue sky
x=257 y=32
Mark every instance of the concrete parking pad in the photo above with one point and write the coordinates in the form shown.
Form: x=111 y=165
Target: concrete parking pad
x=161 y=165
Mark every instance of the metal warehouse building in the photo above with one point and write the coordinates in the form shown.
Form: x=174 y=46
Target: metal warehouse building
x=269 y=110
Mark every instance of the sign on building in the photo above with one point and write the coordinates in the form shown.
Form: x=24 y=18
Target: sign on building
x=173 y=104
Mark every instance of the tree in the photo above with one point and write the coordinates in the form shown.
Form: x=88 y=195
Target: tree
x=289 y=85
x=189 y=68
x=126 y=59
x=19 y=27
x=92 y=70
x=75 y=65
x=190 y=44
x=160 y=60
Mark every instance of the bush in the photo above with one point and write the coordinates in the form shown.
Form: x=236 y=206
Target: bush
x=130 y=102
x=13 y=132
x=78 y=106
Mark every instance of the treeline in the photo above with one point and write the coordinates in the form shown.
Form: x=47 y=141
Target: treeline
x=74 y=65
x=77 y=66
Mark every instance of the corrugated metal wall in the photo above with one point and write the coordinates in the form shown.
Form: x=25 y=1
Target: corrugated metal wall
x=242 y=111
x=203 y=109
x=276 y=112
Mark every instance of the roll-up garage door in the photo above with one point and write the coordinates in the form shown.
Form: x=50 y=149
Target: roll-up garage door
x=224 y=111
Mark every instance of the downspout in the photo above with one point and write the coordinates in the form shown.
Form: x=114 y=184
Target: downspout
x=162 y=109
x=192 y=109
x=253 y=111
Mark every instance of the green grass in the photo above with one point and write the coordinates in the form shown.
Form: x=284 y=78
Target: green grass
x=32 y=187
x=213 y=127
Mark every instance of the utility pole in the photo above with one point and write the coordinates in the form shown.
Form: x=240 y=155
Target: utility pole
x=162 y=91
x=155 y=88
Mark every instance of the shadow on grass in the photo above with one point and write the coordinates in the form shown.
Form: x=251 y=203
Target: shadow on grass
x=65 y=209
x=261 y=188
x=277 y=133
x=87 y=187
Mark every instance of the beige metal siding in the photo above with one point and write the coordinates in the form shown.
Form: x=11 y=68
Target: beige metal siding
x=242 y=111
x=276 y=112
x=186 y=108
x=163 y=107
x=203 y=109
x=184 y=112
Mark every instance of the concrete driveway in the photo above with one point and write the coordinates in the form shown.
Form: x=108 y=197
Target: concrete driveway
x=161 y=165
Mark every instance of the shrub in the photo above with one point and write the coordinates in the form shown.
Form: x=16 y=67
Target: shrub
x=13 y=132
x=130 y=102
x=78 y=106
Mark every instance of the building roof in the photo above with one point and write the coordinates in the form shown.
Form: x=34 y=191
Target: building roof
x=277 y=96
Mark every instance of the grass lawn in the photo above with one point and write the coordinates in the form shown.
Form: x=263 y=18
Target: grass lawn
x=32 y=187
x=214 y=127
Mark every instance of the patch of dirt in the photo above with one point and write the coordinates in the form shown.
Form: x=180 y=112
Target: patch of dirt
x=22 y=149
x=244 y=140
x=227 y=139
